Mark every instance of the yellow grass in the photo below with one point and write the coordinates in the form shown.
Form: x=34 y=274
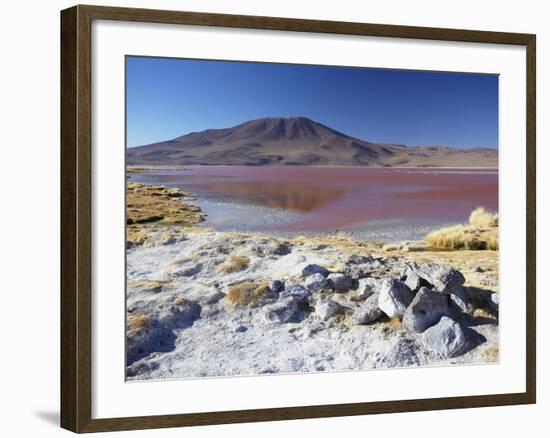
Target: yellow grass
x=492 y=242
x=483 y=219
x=246 y=293
x=394 y=323
x=148 y=285
x=137 y=322
x=480 y=233
x=234 y=264
x=483 y=314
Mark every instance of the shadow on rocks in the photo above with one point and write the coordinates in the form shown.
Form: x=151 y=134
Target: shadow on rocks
x=474 y=338
x=480 y=298
x=161 y=340
x=160 y=336
x=304 y=310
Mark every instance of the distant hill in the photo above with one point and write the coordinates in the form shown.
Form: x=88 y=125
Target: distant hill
x=298 y=141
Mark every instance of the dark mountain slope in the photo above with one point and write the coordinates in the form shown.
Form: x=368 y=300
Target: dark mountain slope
x=296 y=141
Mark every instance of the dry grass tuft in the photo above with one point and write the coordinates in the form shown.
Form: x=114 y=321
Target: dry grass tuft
x=492 y=242
x=389 y=324
x=483 y=314
x=483 y=219
x=455 y=237
x=480 y=233
x=153 y=286
x=137 y=322
x=246 y=293
x=234 y=264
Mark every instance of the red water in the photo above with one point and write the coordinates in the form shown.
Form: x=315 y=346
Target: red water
x=344 y=197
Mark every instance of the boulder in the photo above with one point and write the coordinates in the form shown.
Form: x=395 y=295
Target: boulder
x=315 y=282
x=340 y=282
x=368 y=311
x=203 y=295
x=459 y=298
x=414 y=281
x=281 y=311
x=276 y=286
x=181 y=314
x=313 y=269
x=326 y=309
x=446 y=338
x=426 y=310
x=279 y=248
x=443 y=278
x=355 y=259
x=184 y=270
x=367 y=286
x=295 y=291
x=394 y=298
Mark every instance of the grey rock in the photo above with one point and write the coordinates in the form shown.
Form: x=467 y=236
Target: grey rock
x=367 y=286
x=241 y=328
x=326 y=309
x=295 y=291
x=355 y=259
x=340 y=282
x=426 y=310
x=443 y=278
x=478 y=269
x=446 y=338
x=459 y=298
x=276 y=286
x=395 y=296
x=281 y=311
x=315 y=282
x=313 y=269
x=180 y=315
x=271 y=248
x=415 y=282
x=368 y=311
x=188 y=271
x=204 y=295
x=279 y=248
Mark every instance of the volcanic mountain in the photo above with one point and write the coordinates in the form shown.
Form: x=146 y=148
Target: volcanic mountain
x=298 y=141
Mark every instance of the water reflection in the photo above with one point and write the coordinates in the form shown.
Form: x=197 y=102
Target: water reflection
x=300 y=198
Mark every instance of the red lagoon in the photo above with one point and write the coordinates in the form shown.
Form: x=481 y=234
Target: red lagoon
x=328 y=198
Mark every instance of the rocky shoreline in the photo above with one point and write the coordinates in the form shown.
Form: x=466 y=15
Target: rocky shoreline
x=207 y=303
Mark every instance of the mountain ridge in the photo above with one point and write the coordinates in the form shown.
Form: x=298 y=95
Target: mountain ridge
x=298 y=141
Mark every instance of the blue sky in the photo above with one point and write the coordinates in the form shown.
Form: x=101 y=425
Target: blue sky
x=167 y=98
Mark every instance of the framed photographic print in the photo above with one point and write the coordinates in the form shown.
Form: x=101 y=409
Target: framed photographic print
x=270 y=218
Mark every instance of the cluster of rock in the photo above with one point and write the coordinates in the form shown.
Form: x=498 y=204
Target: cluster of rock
x=428 y=299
